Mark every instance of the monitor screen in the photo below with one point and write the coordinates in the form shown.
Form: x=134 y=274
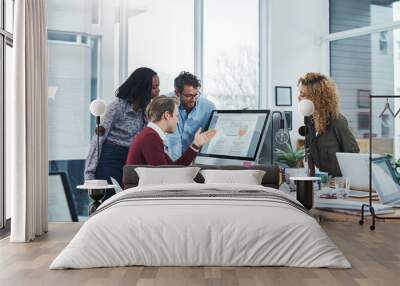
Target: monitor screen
x=385 y=180
x=239 y=134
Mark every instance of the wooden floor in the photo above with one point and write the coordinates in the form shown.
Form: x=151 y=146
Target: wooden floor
x=375 y=257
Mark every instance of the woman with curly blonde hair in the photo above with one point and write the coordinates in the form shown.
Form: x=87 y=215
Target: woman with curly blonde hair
x=327 y=130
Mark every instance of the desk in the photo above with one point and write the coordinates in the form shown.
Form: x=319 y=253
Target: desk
x=324 y=215
x=330 y=216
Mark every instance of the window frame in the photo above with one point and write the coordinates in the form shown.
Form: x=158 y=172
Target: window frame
x=352 y=33
x=6 y=39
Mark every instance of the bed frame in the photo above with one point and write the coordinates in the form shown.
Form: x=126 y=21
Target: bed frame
x=270 y=179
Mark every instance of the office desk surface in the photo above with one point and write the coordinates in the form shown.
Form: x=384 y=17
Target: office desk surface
x=329 y=215
x=324 y=215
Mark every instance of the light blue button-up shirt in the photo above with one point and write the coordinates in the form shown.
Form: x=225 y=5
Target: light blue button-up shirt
x=188 y=124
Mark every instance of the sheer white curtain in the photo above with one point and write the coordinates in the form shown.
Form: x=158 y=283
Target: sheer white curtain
x=27 y=152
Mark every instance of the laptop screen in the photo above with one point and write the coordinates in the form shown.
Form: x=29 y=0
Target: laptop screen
x=385 y=180
x=355 y=166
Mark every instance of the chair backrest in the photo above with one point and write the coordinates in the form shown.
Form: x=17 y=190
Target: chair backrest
x=61 y=203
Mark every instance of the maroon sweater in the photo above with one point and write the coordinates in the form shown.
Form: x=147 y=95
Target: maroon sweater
x=147 y=148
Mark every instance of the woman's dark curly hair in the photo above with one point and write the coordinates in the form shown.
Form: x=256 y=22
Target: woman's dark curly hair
x=137 y=88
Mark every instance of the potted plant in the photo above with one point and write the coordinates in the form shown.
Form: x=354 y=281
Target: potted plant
x=292 y=160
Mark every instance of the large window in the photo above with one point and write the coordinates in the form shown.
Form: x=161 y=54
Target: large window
x=231 y=53
x=350 y=14
x=72 y=81
x=161 y=37
x=367 y=62
x=6 y=43
x=360 y=68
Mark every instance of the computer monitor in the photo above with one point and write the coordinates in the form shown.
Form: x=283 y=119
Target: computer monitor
x=239 y=136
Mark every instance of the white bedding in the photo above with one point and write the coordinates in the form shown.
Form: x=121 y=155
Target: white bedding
x=183 y=231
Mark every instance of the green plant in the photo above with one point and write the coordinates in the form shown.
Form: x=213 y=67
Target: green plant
x=290 y=158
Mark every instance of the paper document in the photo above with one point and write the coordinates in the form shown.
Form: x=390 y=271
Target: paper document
x=117 y=187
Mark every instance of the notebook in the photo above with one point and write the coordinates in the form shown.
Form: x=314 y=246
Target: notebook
x=360 y=194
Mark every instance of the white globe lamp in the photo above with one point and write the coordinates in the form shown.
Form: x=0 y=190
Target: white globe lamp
x=306 y=107
x=98 y=107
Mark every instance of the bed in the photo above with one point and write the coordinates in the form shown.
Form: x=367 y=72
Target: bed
x=198 y=224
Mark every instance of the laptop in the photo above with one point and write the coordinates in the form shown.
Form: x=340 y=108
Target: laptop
x=355 y=166
x=117 y=187
x=386 y=183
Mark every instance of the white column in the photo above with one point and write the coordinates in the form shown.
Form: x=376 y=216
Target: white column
x=264 y=73
x=123 y=41
x=396 y=77
x=198 y=38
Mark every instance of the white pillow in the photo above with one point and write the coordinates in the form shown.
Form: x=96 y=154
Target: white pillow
x=166 y=176
x=248 y=177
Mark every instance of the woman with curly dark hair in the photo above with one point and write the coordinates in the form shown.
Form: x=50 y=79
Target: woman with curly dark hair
x=125 y=117
x=327 y=130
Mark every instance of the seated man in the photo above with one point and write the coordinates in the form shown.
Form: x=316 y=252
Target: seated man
x=194 y=112
x=149 y=146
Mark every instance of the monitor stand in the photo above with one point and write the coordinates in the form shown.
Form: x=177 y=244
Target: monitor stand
x=222 y=162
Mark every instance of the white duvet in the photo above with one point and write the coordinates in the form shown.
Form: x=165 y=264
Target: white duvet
x=190 y=231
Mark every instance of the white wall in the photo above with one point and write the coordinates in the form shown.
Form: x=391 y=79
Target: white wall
x=295 y=47
x=108 y=61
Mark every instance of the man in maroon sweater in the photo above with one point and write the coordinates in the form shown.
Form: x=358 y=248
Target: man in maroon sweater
x=149 y=147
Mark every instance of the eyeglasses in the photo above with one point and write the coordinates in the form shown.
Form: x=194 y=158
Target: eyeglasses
x=191 y=96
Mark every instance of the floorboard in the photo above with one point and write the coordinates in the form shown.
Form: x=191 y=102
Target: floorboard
x=375 y=257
